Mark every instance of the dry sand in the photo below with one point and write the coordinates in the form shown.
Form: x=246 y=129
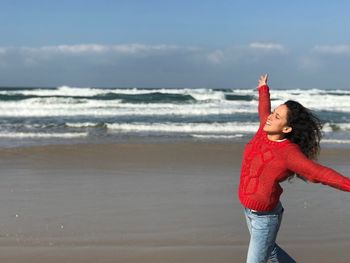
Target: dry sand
x=165 y=202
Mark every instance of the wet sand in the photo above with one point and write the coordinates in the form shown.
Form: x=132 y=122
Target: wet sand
x=157 y=202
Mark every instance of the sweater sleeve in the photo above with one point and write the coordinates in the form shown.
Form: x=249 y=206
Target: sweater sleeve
x=314 y=172
x=264 y=107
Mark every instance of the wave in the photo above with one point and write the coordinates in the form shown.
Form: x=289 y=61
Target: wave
x=198 y=93
x=146 y=95
x=176 y=127
x=335 y=141
x=40 y=135
x=166 y=127
x=85 y=125
x=218 y=128
x=159 y=127
x=69 y=112
x=334 y=127
x=56 y=108
x=320 y=100
x=211 y=136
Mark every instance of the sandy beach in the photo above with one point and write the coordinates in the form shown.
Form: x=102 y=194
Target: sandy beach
x=154 y=202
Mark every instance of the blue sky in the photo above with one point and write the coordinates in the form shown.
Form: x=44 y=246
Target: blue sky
x=154 y=43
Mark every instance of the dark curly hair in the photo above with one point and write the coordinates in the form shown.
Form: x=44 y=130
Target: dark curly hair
x=306 y=129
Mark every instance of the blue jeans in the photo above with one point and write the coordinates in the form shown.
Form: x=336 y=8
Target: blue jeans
x=263 y=228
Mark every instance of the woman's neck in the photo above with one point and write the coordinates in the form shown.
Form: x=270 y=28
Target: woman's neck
x=276 y=137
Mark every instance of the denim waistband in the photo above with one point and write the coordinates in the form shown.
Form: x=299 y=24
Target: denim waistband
x=277 y=210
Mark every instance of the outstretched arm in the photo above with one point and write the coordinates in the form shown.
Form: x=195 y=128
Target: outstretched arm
x=264 y=107
x=316 y=173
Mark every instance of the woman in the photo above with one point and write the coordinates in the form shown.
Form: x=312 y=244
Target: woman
x=287 y=140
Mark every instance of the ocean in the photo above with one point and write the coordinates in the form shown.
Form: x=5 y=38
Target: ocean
x=66 y=115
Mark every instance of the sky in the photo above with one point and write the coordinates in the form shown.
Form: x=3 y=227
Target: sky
x=175 y=43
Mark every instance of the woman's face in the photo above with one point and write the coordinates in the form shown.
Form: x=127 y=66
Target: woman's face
x=277 y=121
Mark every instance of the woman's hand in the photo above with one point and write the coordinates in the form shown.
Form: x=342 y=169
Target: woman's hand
x=263 y=80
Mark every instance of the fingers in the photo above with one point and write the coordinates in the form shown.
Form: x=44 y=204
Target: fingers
x=266 y=76
x=263 y=79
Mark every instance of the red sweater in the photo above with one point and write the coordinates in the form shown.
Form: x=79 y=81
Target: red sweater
x=267 y=163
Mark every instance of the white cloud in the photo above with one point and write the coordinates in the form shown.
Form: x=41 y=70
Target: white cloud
x=335 y=49
x=64 y=49
x=217 y=56
x=139 y=63
x=74 y=49
x=267 y=46
x=137 y=48
x=95 y=55
x=122 y=49
x=89 y=53
x=249 y=54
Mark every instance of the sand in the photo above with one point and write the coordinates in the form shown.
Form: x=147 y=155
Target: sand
x=154 y=202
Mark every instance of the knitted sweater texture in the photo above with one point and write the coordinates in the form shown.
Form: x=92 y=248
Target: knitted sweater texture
x=266 y=163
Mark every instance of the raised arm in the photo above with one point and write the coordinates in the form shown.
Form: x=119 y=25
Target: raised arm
x=264 y=107
x=314 y=172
